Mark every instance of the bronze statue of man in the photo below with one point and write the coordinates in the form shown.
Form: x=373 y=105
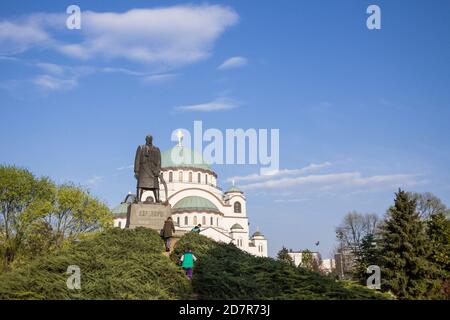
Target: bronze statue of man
x=147 y=168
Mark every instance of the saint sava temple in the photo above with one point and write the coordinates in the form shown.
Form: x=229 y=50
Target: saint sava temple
x=195 y=198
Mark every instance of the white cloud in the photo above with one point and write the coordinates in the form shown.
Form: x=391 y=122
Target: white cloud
x=215 y=105
x=123 y=71
x=63 y=77
x=165 y=37
x=51 y=68
x=345 y=179
x=232 y=63
x=158 y=78
x=18 y=37
x=279 y=173
x=60 y=77
x=52 y=83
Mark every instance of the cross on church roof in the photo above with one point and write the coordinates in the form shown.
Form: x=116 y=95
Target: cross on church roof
x=180 y=137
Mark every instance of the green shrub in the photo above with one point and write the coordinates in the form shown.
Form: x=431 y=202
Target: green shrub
x=116 y=264
x=225 y=272
x=199 y=244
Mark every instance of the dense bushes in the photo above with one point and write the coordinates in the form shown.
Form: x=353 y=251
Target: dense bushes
x=225 y=272
x=117 y=264
x=129 y=264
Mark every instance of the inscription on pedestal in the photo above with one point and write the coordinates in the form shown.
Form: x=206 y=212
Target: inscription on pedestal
x=150 y=216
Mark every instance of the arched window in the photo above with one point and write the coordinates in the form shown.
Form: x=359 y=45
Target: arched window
x=217 y=221
x=178 y=220
x=206 y=179
x=190 y=176
x=203 y=220
x=180 y=176
x=199 y=177
x=120 y=224
x=211 y=221
x=170 y=176
x=186 y=221
x=195 y=220
x=237 y=207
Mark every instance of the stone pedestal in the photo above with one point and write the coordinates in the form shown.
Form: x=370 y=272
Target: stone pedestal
x=148 y=215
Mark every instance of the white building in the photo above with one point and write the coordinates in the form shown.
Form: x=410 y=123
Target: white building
x=328 y=265
x=196 y=199
x=324 y=265
x=297 y=257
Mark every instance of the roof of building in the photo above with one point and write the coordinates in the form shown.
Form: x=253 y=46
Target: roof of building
x=233 y=189
x=182 y=157
x=195 y=203
x=121 y=210
x=236 y=226
x=257 y=234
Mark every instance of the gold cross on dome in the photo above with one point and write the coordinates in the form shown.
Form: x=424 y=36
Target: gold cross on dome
x=180 y=137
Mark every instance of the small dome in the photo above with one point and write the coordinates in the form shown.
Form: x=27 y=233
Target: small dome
x=236 y=226
x=233 y=189
x=188 y=159
x=120 y=211
x=257 y=234
x=194 y=203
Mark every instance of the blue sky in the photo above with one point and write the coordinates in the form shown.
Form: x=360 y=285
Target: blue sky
x=368 y=108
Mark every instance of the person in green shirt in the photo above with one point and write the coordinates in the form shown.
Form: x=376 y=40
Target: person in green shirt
x=187 y=262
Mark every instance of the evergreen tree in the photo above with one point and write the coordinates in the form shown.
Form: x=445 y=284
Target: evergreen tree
x=283 y=255
x=406 y=271
x=368 y=254
x=438 y=233
x=307 y=260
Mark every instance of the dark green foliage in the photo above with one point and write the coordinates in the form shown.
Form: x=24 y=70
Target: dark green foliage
x=199 y=244
x=307 y=260
x=367 y=255
x=438 y=232
x=283 y=255
x=226 y=272
x=116 y=264
x=406 y=271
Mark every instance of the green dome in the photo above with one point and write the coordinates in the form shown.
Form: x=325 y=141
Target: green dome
x=233 y=189
x=194 y=203
x=236 y=226
x=187 y=158
x=120 y=211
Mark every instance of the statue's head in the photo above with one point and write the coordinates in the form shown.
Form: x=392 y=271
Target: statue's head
x=149 y=139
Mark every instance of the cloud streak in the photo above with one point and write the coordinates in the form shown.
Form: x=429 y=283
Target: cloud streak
x=215 y=105
x=280 y=173
x=345 y=179
x=233 y=63
x=52 y=83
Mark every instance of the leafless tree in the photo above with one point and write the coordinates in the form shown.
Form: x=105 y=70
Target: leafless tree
x=354 y=227
x=428 y=204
